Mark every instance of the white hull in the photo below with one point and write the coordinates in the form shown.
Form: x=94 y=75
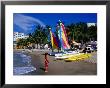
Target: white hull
x=66 y=55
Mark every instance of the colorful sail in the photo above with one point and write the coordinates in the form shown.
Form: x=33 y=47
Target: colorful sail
x=63 y=37
x=54 y=41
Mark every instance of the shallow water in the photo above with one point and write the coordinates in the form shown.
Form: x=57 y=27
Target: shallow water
x=22 y=63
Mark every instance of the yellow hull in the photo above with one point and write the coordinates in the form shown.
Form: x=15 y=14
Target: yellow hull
x=78 y=57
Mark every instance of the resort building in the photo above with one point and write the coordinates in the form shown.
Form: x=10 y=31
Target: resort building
x=17 y=35
x=91 y=24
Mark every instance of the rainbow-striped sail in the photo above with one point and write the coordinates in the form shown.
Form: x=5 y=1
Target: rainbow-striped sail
x=63 y=37
x=61 y=40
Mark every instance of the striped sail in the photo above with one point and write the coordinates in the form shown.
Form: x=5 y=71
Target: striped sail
x=54 y=41
x=63 y=37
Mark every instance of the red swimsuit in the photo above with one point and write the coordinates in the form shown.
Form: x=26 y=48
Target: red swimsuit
x=46 y=61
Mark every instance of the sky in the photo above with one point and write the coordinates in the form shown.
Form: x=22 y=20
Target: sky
x=26 y=22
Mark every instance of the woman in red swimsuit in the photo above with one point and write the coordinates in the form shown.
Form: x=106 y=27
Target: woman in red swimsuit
x=46 y=62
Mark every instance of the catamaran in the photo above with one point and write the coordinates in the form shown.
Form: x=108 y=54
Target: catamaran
x=61 y=42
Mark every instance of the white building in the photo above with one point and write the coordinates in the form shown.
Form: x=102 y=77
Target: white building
x=17 y=35
x=91 y=24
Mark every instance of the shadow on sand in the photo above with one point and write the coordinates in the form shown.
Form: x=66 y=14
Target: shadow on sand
x=42 y=68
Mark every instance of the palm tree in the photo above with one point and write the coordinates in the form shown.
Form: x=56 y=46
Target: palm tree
x=78 y=31
x=20 y=43
x=47 y=31
x=39 y=36
x=35 y=35
x=92 y=32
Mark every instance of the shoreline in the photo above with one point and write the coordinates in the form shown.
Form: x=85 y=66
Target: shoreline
x=59 y=67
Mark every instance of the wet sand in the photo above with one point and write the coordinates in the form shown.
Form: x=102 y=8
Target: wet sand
x=60 y=67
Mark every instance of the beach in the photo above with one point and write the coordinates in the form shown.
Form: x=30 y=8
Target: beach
x=60 y=67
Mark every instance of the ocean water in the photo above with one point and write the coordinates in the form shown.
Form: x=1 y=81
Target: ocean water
x=22 y=64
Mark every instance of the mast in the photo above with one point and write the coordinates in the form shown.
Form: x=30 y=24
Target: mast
x=51 y=38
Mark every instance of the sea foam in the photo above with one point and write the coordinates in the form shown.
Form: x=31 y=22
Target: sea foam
x=22 y=64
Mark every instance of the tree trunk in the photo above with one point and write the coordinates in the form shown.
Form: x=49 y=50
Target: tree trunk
x=37 y=45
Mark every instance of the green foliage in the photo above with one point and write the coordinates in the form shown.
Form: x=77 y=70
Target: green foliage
x=81 y=33
x=78 y=32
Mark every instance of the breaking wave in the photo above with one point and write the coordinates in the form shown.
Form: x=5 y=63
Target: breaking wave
x=22 y=64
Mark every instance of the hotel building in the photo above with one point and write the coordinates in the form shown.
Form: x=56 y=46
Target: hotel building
x=17 y=35
x=91 y=24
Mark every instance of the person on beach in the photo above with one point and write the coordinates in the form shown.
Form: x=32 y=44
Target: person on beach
x=46 y=62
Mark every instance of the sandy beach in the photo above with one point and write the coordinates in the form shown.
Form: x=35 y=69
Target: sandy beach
x=60 y=67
